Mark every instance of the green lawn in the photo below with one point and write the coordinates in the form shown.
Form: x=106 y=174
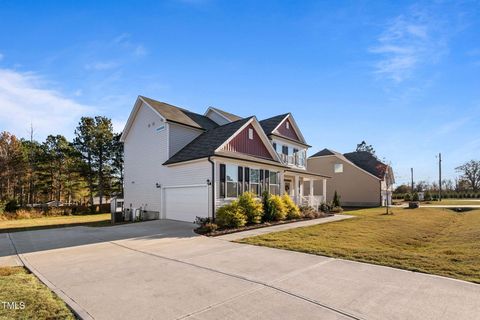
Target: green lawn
x=20 y=286
x=430 y=240
x=455 y=202
x=93 y=220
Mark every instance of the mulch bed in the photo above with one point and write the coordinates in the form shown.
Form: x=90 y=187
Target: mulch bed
x=254 y=226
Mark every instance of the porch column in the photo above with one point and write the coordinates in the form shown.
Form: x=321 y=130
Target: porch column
x=296 y=186
x=324 y=190
x=311 y=187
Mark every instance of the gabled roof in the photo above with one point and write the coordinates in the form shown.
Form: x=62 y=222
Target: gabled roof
x=229 y=116
x=361 y=159
x=270 y=124
x=325 y=152
x=180 y=115
x=206 y=143
x=368 y=162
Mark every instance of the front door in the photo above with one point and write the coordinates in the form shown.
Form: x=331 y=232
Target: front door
x=288 y=187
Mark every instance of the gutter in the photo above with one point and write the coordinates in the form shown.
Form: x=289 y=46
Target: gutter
x=213 y=187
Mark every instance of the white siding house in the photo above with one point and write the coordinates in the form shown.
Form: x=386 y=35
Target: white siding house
x=183 y=165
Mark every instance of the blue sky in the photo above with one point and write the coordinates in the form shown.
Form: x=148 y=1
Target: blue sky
x=404 y=76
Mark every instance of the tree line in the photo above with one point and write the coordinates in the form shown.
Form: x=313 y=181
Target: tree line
x=468 y=181
x=72 y=172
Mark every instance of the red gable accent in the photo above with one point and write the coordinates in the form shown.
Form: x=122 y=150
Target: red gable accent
x=242 y=144
x=289 y=133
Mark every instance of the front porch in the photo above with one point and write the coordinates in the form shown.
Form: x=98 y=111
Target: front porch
x=300 y=186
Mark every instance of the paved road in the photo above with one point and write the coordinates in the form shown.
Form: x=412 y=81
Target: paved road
x=161 y=270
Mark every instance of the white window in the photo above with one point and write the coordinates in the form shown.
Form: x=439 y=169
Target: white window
x=274 y=183
x=232 y=181
x=338 y=168
x=287 y=124
x=255 y=181
x=250 y=134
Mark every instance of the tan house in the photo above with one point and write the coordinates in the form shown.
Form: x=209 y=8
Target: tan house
x=359 y=178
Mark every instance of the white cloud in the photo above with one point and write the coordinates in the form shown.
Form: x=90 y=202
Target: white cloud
x=409 y=42
x=24 y=99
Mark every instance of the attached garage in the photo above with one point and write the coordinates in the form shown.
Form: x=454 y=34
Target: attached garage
x=185 y=203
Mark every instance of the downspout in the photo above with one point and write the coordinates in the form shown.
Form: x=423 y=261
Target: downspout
x=213 y=187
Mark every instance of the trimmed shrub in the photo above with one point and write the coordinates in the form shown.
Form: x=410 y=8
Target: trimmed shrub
x=293 y=211
x=407 y=197
x=336 y=200
x=324 y=207
x=279 y=211
x=415 y=196
x=268 y=210
x=337 y=210
x=308 y=212
x=252 y=208
x=231 y=216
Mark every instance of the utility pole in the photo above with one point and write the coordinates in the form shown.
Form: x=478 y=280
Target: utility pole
x=411 y=173
x=439 y=177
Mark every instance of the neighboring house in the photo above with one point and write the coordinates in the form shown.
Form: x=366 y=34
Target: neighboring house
x=183 y=164
x=359 y=178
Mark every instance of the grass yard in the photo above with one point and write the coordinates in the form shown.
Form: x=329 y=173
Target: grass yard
x=20 y=286
x=454 y=202
x=430 y=240
x=93 y=220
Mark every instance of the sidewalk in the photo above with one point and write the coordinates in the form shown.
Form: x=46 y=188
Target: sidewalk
x=281 y=227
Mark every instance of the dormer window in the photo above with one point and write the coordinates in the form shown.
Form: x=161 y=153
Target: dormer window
x=250 y=134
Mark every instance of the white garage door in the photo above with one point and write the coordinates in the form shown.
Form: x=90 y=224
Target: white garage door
x=186 y=203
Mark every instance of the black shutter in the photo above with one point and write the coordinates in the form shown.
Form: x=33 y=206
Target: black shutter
x=240 y=180
x=267 y=180
x=262 y=180
x=222 y=180
x=247 y=179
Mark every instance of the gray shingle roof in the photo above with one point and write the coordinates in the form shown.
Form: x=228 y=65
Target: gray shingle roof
x=206 y=143
x=270 y=124
x=324 y=152
x=232 y=117
x=367 y=162
x=182 y=116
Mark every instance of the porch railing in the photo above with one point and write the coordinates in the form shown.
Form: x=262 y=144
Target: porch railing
x=311 y=201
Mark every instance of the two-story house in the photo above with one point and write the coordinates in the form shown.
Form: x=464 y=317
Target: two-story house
x=182 y=164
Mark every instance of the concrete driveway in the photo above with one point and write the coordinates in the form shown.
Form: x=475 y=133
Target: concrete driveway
x=161 y=270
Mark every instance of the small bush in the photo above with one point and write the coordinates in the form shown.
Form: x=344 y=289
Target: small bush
x=202 y=221
x=268 y=210
x=209 y=227
x=11 y=206
x=308 y=212
x=337 y=210
x=415 y=196
x=279 y=212
x=336 y=200
x=231 y=216
x=293 y=211
x=252 y=207
x=324 y=207
x=407 y=197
